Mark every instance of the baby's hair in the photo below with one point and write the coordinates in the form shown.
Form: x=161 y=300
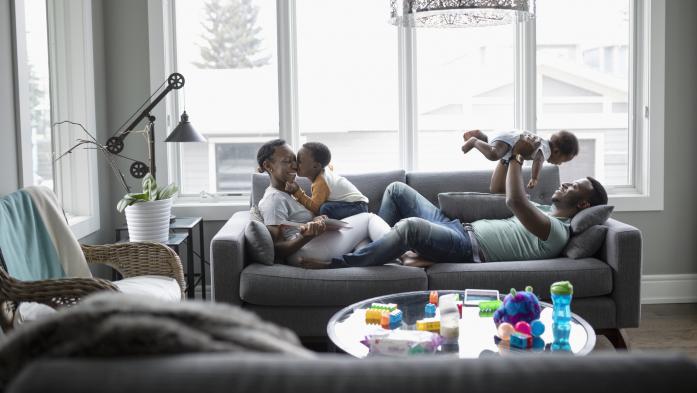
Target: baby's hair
x=320 y=152
x=266 y=151
x=567 y=143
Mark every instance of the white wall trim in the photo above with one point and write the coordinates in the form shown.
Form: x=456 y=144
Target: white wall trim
x=669 y=288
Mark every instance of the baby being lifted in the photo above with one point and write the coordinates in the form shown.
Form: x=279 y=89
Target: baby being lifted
x=561 y=147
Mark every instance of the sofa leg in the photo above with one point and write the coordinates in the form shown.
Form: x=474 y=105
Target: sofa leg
x=617 y=337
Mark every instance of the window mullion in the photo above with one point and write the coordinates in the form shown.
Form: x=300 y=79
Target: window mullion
x=408 y=142
x=287 y=72
x=525 y=76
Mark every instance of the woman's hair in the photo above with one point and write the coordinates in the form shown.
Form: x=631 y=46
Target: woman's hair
x=320 y=152
x=266 y=151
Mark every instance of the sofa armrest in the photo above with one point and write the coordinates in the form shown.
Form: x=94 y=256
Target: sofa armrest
x=228 y=259
x=622 y=251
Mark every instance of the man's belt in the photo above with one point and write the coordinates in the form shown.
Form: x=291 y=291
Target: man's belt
x=477 y=252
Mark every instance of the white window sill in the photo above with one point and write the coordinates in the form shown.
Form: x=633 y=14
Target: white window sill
x=209 y=210
x=83 y=226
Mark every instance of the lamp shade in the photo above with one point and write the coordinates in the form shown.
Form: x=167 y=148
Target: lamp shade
x=460 y=13
x=184 y=132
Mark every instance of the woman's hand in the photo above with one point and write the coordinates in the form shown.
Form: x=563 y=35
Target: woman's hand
x=526 y=145
x=313 y=228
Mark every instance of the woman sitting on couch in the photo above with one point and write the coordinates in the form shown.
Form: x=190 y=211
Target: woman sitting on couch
x=310 y=241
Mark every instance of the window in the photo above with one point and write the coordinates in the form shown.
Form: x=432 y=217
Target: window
x=40 y=161
x=347 y=82
x=585 y=88
x=464 y=81
x=55 y=83
x=383 y=96
x=226 y=50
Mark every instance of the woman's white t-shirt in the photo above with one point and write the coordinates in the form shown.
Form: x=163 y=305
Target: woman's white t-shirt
x=277 y=206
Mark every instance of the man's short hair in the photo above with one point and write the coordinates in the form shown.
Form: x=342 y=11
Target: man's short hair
x=320 y=152
x=598 y=195
x=567 y=143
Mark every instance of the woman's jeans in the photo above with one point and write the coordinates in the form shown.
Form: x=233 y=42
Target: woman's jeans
x=425 y=230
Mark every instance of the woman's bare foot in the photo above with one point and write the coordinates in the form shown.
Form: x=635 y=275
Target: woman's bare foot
x=413 y=259
x=309 y=263
x=469 y=145
x=475 y=134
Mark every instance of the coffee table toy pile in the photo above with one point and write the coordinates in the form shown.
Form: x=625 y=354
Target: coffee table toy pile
x=405 y=324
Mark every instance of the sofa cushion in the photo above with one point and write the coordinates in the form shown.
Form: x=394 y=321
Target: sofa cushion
x=283 y=285
x=586 y=243
x=473 y=206
x=590 y=276
x=586 y=218
x=258 y=243
x=372 y=185
x=430 y=184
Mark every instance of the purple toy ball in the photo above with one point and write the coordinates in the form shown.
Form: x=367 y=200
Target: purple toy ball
x=518 y=306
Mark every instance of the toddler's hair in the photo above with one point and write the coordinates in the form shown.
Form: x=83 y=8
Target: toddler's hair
x=320 y=152
x=266 y=151
x=567 y=143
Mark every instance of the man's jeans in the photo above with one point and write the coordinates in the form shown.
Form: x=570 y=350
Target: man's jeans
x=425 y=229
x=340 y=210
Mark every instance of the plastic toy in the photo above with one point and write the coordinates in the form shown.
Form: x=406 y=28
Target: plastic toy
x=521 y=340
x=395 y=319
x=430 y=310
x=433 y=297
x=518 y=306
x=505 y=330
x=489 y=306
x=537 y=328
x=402 y=342
x=562 y=292
x=428 y=324
x=449 y=316
x=373 y=314
x=523 y=327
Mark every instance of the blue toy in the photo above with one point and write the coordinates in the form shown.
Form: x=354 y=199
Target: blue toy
x=429 y=310
x=537 y=328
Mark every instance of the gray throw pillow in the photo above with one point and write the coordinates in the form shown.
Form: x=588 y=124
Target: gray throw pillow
x=586 y=243
x=586 y=218
x=473 y=206
x=258 y=243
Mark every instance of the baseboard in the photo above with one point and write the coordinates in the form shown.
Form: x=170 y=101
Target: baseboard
x=669 y=288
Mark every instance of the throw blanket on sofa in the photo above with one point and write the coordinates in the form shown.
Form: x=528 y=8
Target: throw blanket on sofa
x=113 y=325
x=35 y=239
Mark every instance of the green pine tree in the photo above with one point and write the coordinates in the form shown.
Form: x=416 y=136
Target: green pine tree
x=231 y=35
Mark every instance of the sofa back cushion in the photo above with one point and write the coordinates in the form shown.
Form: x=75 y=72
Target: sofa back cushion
x=372 y=185
x=473 y=206
x=430 y=184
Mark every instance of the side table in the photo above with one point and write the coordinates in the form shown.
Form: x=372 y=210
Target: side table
x=181 y=230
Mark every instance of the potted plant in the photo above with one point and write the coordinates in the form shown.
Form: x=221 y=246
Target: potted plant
x=148 y=212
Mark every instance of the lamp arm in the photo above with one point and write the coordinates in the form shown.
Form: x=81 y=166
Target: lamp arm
x=175 y=81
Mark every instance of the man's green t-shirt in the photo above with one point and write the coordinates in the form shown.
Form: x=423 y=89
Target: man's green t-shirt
x=508 y=240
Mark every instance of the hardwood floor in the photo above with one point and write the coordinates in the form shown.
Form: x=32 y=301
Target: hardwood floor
x=663 y=327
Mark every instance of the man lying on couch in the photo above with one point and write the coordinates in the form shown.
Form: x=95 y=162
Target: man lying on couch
x=535 y=231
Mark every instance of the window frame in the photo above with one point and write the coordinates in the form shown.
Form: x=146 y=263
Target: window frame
x=72 y=97
x=647 y=76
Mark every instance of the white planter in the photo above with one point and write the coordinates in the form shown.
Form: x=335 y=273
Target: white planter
x=149 y=221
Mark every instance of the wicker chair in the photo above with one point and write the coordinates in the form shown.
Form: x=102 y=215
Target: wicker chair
x=129 y=259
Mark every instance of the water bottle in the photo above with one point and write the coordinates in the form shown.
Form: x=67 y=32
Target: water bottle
x=562 y=292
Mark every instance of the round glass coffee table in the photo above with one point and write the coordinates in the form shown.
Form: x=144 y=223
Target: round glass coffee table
x=347 y=328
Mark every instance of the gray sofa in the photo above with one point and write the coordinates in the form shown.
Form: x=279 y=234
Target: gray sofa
x=606 y=287
x=258 y=373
